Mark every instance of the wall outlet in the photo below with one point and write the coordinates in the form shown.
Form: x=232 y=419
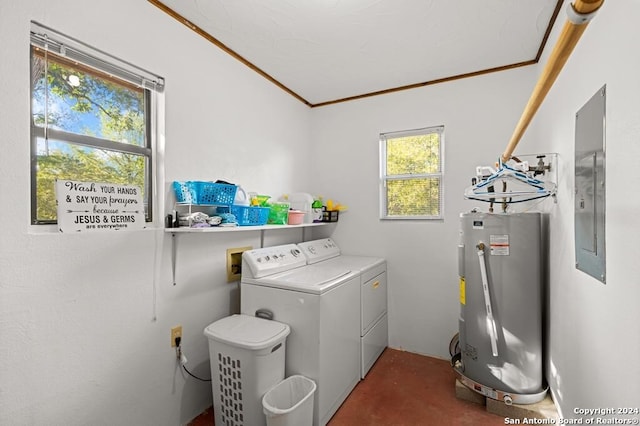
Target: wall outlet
x=234 y=263
x=175 y=332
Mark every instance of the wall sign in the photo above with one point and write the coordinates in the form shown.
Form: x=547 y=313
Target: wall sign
x=94 y=206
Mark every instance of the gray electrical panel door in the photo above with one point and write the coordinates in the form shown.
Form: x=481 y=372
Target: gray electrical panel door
x=590 y=187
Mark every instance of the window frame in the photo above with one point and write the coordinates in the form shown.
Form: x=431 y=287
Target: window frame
x=77 y=54
x=385 y=178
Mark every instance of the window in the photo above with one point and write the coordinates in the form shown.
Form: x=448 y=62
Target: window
x=92 y=119
x=411 y=169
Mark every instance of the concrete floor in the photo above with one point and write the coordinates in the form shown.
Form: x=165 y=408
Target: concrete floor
x=403 y=389
x=409 y=389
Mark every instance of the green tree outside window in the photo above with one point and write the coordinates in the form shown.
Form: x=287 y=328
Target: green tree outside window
x=86 y=126
x=411 y=174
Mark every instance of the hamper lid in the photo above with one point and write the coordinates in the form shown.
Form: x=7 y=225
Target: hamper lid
x=247 y=332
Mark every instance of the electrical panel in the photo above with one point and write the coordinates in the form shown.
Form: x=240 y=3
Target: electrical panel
x=590 y=186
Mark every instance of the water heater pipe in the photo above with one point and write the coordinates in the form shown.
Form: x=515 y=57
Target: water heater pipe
x=491 y=322
x=579 y=14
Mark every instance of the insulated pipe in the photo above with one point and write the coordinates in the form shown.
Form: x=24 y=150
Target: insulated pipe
x=578 y=16
x=491 y=322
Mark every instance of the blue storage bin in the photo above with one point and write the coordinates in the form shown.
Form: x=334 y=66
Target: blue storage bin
x=215 y=193
x=185 y=192
x=247 y=216
x=199 y=192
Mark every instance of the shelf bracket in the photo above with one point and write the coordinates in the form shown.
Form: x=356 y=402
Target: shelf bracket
x=174 y=251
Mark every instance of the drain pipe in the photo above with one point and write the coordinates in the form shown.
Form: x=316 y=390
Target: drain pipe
x=579 y=14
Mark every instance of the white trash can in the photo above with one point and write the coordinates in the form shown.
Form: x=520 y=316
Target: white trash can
x=290 y=402
x=247 y=359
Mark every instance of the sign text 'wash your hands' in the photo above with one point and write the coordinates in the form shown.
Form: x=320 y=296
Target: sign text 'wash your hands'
x=95 y=206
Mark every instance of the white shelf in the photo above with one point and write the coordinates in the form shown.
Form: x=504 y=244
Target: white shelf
x=186 y=229
x=214 y=229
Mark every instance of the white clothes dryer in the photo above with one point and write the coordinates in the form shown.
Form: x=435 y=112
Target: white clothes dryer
x=322 y=307
x=374 y=329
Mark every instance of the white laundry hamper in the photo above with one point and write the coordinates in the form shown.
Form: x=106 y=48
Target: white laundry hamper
x=290 y=402
x=247 y=359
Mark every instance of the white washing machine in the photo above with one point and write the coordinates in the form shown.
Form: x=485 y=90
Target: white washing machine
x=322 y=307
x=374 y=329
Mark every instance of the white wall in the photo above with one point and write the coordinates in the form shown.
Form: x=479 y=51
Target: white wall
x=84 y=326
x=594 y=328
x=479 y=115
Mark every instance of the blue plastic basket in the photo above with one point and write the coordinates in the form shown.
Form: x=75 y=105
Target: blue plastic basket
x=185 y=192
x=199 y=192
x=248 y=216
x=215 y=193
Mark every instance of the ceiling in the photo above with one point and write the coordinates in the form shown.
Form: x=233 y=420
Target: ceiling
x=328 y=51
